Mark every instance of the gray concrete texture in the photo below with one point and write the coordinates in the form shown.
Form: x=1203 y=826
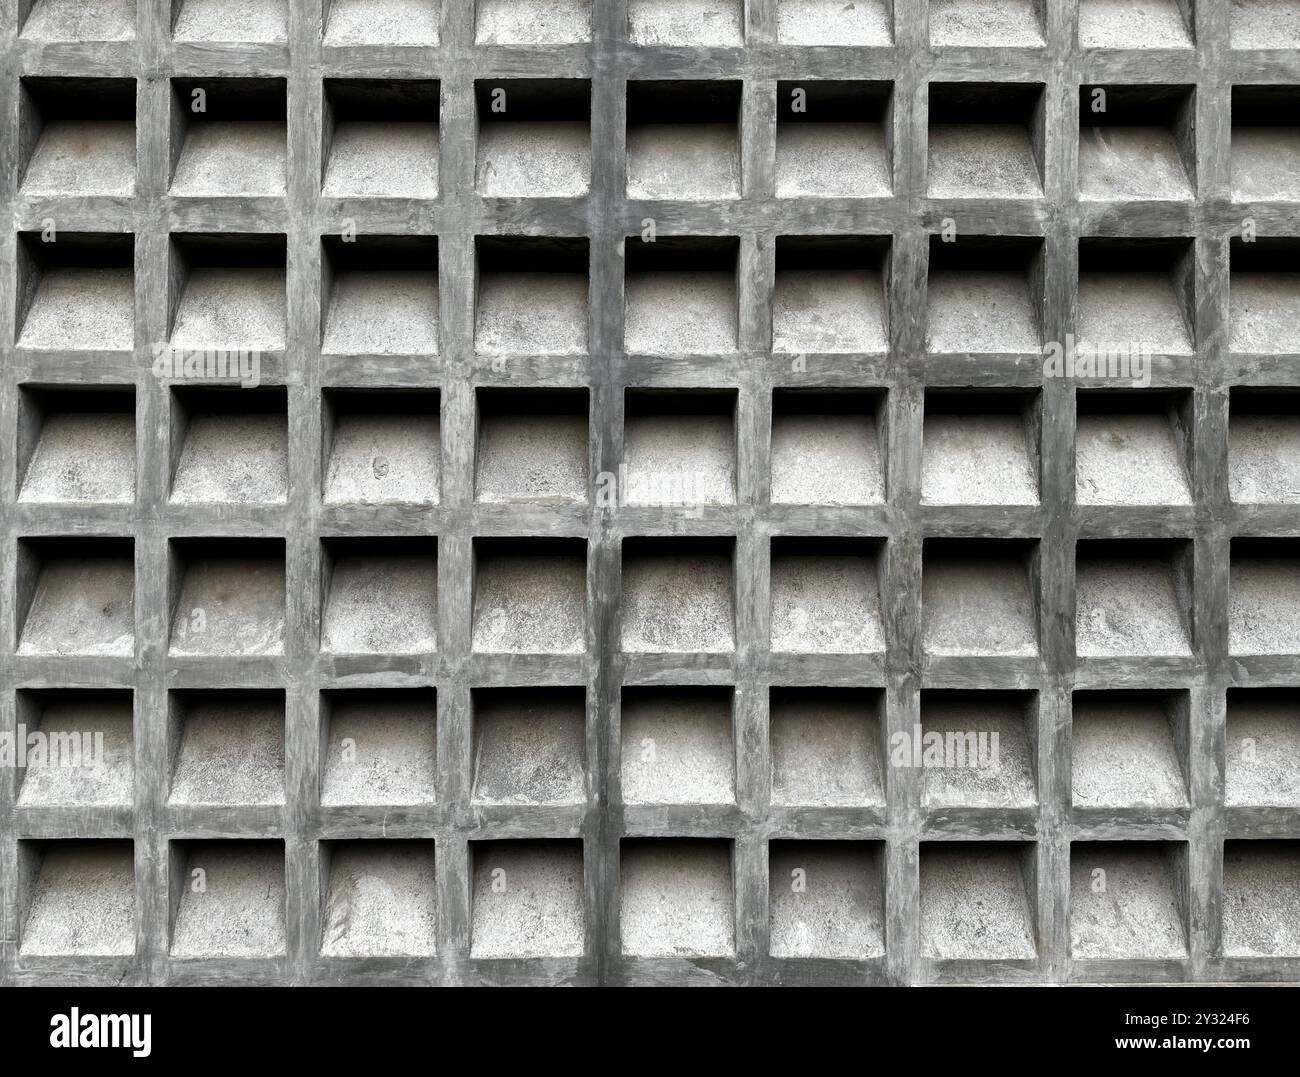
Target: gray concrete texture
x=637 y=484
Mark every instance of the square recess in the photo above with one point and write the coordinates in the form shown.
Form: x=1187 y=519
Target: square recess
x=527 y=899
x=1130 y=749
x=1264 y=597
x=825 y=595
x=77 y=137
x=979 y=597
x=76 y=898
x=76 y=294
x=985 y=295
x=834 y=139
x=677 y=898
x=828 y=448
x=1262 y=745
x=678 y=745
x=532 y=22
x=379 y=596
x=228 y=596
x=1264 y=446
x=826 y=899
x=1128 y=899
x=227 y=292
x=683 y=140
x=76 y=596
x=379 y=295
x=532 y=446
x=74 y=20
x=530 y=596
x=382 y=448
x=986 y=140
x=826 y=747
x=679 y=447
x=88 y=748
x=534 y=138
x=829 y=295
x=833 y=22
x=379 y=747
x=531 y=296
x=987 y=23
x=1134 y=24
x=229 y=137
x=382 y=22
x=980 y=448
x=230 y=446
x=381 y=899
x=380 y=138
x=1137 y=143
x=262 y=22
x=76 y=446
x=977 y=750
x=1133 y=597
x=529 y=746
x=1133 y=448
x=1137 y=292
x=698 y=23
x=227 y=899
x=1261 y=899
x=678 y=596
x=226 y=747
x=978 y=900
x=1264 y=24
x=1265 y=143
x=680 y=295
x=1264 y=296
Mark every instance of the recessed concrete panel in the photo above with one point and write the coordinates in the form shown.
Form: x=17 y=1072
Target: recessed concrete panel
x=231 y=899
x=825 y=600
x=1125 y=751
x=975 y=311
x=828 y=311
x=977 y=460
x=233 y=458
x=526 y=899
x=529 y=748
x=83 y=457
x=1125 y=900
x=1261 y=899
x=381 y=599
x=681 y=459
x=677 y=899
x=81 y=604
x=530 y=603
x=831 y=22
x=229 y=603
x=71 y=20
x=1264 y=458
x=825 y=749
x=232 y=309
x=982 y=160
x=228 y=749
x=1262 y=749
x=977 y=749
x=680 y=313
x=1264 y=24
x=82 y=902
x=1128 y=459
x=1130 y=603
x=677 y=602
x=383 y=313
x=975 y=901
x=826 y=899
x=677 y=747
x=380 y=900
x=85 y=157
x=379 y=747
x=532 y=458
x=219 y=20
x=88 y=750
x=532 y=22
x=820 y=459
x=1263 y=604
x=984 y=24
x=978 y=606
x=382 y=22
x=1132 y=24
x=384 y=457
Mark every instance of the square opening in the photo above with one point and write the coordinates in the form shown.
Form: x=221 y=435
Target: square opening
x=381 y=447
x=530 y=746
x=380 y=596
x=1130 y=749
x=530 y=596
x=534 y=138
x=678 y=745
x=986 y=295
x=86 y=754
x=678 y=595
x=683 y=140
x=1003 y=24
x=381 y=899
x=229 y=137
x=826 y=899
x=1263 y=748
x=532 y=446
x=1137 y=143
x=1264 y=597
x=1137 y=292
x=76 y=294
x=980 y=448
x=226 y=748
x=379 y=295
x=227 y=899
x=680 y=295
x=532 y=22
x=76 y=596
x=834 y=139
x=677 y=898
x=263 y=22
x=986 y=139
x=693 y=23
x=827 y=747
x=1264 y=296
x=828 y=448
x=978 y=900
x=826 y=596
x=1128 y=900
x=1148 y=24
x=228 y=596
x=1133 y=448
x=833 y=22
x=1133 y=597
x=1261 y=899
x=73 y=20
x=1266 y=143
x=526 y=899
x=227 y=292
x=381 y=22
x=829 y=295
x=76 y=136
x=980 y=597
x=380 y=138
x=1264 y=24
x=679 y=447
x=531 y=296
x=977 y=750
x=1264 y=446
x=230 y=446
x=379 y=747
x=76 y=898
x=76 y=446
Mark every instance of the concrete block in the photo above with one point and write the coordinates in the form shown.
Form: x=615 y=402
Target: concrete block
x=978 y=603
x=1261 y=899
x=833 y=311
x=1262 y=749
x=532 y=22
x=382 y=22
x=826 y=899
x=983 y=24
x=677 y=747
x=677 y=899
x=227 y=748
x=530 y=598
x=529 y=748
x=981 y=311
x=382 y=159
x=974 y=459
x=531 y=314
x=826 y=598
x=1141 y=306
x=825 y=748
x=1129 y=750
x=383 y=313
x=1132 y=24
x=379 y=747
x=81 y=599
x=72 y=722
x=825 y=459
x=380 y=900
x=527 y=899
x=677 y=598
x=1138 y=146
x=1132 y=599
x=82 y=900
x=680 y=313
x=386 y=450
x=831 y=22
x=232 y=310
x=232 y=457
x=381 y=597
x=1128 y=458
x=1263 y=600
x=976 y=901
x=1264 y=24
x=990 y=746
x=263 y=21
x=230 y=598
x=676 y=452
x=85 y=157
x=228 y=899
x=71 y=20
x=1128 y=900
x=84 y=451
x=1263 y=456
x=82 y=309
x=232 y=157
x=701 y=23
x=532 y=449
x=1265 y=153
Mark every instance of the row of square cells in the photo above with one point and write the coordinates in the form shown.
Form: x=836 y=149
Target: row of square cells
x=379 y=296
x=77 y=446
x=677 y=898
x=1103 y=24
x=833 y=139
x=828 y=748
x=979 y=597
